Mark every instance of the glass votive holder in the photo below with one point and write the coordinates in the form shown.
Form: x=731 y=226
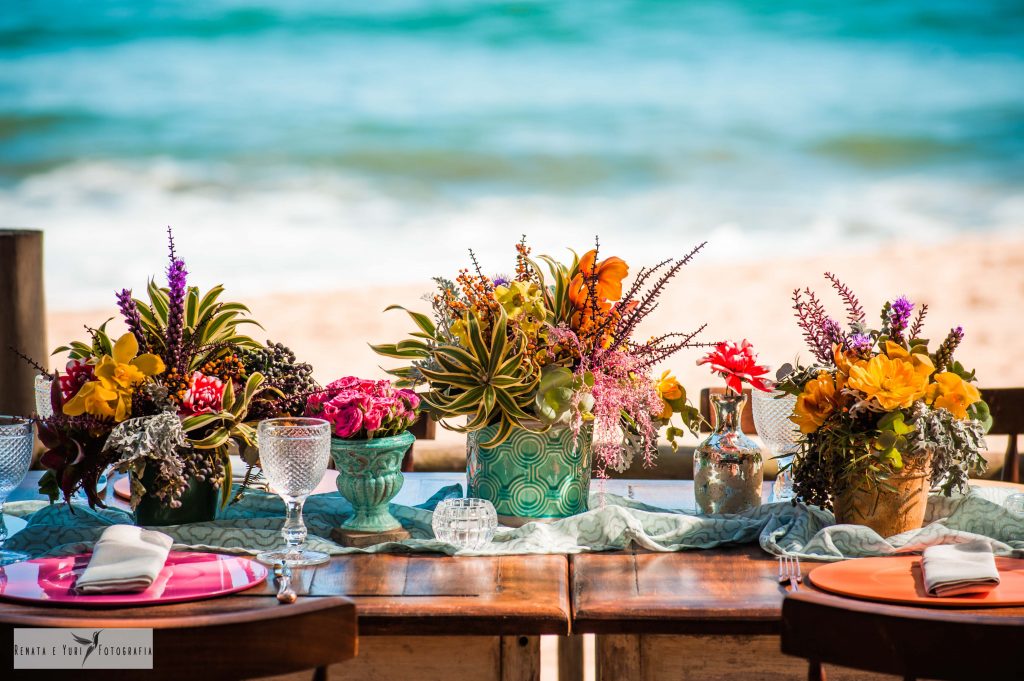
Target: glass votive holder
x=1015 y=503
x=465 y=523
x=44 y=406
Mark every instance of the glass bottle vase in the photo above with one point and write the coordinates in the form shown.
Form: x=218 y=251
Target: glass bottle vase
x=727 y=466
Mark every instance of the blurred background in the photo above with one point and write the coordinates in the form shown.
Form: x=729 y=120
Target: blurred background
x=324 y=159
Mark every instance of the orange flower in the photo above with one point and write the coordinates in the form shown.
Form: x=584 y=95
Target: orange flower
x=816 y=403
x=609 y=274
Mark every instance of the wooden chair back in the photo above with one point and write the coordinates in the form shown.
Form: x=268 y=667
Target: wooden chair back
x=425 y=428
x=911 y=642
x=226 y=638
x=746 y=417
x=1007 y=405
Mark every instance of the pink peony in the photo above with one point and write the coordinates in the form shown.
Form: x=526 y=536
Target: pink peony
x=204 y=396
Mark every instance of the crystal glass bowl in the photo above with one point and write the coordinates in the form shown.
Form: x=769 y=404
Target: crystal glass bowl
x=465 y=523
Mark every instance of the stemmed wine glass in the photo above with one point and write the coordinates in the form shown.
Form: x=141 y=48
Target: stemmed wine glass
x=771 y=418
x=294 y=453
x=15 y=457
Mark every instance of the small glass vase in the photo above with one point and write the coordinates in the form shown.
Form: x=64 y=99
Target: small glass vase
x=728 y=470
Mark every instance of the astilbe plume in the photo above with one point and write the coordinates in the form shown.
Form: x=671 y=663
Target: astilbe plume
x=619 y=389
x=944 y=353
x=130 y=311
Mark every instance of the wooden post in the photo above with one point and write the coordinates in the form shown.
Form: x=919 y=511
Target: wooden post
x=22 y=317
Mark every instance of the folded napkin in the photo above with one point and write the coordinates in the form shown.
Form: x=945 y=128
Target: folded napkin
x=958 y=569
x=125 y=559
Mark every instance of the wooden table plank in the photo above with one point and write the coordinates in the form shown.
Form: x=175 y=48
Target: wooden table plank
x=422 y=594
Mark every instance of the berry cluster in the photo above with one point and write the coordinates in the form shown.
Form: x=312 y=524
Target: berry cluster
x=294 y=379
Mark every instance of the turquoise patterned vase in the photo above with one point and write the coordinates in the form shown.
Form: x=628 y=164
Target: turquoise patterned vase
x=369 y=476
x=531 y=476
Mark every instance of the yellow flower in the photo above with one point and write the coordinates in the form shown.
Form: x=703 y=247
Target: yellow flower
x=117 y=375
x=815 y=404
x=893 y=383
x=93 y=399
x=668 y=387
x=951 y=392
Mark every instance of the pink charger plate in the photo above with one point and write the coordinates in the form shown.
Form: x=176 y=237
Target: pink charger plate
x=123 y=489
x=187 y=576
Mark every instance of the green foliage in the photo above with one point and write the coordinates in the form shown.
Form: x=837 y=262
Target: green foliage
x=489 y=381
x=560 y=393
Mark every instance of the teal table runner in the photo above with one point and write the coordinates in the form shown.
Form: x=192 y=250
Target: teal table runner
x=253 y=524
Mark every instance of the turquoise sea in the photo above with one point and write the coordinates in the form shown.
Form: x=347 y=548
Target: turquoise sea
x=323 y=144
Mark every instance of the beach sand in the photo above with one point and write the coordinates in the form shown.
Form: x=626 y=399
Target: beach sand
x=975 y=282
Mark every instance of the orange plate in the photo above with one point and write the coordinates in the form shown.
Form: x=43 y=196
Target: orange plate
x=123 y=488
x=897 y=579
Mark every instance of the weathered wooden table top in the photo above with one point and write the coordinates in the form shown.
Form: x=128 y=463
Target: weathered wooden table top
x=399 y=594
x=717 y=591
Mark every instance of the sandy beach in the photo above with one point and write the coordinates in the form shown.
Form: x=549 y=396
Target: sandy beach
x=974 y=282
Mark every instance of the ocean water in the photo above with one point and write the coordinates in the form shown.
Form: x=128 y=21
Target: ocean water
x=315 y=144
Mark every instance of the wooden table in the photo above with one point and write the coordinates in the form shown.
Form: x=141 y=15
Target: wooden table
x=705 y=615
x=431 y=617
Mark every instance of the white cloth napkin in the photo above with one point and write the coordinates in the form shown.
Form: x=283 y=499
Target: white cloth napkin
x=958 y=569
x=125 y=559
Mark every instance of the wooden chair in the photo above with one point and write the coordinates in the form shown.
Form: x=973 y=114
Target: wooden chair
x=1007 y=405
x=425 y=428
x=224 y=638
x=912 y=642
x=746 y=418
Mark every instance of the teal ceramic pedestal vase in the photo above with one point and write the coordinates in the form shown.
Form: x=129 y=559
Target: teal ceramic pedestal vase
x=369 y=476
x=199 y=504
x=531 y=476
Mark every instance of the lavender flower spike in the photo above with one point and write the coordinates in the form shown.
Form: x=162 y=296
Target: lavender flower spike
x=899 y=317
x=130 y=312
x=177 y=281
x=860 y=344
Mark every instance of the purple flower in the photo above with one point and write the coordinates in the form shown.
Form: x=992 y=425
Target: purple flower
x=177 y=283
x=899 y=315
x=832 y=332
x=859 y=343
x=501 y=280
x=130 y=312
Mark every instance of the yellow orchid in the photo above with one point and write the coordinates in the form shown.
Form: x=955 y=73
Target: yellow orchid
x=117 y=376
x=815 y=404
x=94 y=399
x=893 y=383
x=950 y=391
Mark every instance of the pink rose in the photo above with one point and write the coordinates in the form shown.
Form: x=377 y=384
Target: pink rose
x=346 y=383
x=346 y=422
x=374 y=417
x=411 y=398
x=204 y=396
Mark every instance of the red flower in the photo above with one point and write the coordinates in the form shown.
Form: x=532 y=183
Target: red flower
x=737 y=364
x=204 y=396
x=79 y=372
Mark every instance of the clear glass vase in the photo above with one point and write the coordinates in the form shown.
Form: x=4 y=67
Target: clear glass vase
x=727 y=467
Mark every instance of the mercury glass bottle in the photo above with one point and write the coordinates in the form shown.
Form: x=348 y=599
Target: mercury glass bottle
x=727 y=467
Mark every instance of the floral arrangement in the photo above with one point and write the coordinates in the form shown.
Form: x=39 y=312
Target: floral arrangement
x=550 y=346
x=877 y=401
x=360 y=409
x=172 y=395
x=737 y=364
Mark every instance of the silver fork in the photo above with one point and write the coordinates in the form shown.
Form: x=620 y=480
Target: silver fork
x=789 y=571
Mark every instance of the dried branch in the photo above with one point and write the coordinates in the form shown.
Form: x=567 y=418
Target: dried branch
x=854 y=310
